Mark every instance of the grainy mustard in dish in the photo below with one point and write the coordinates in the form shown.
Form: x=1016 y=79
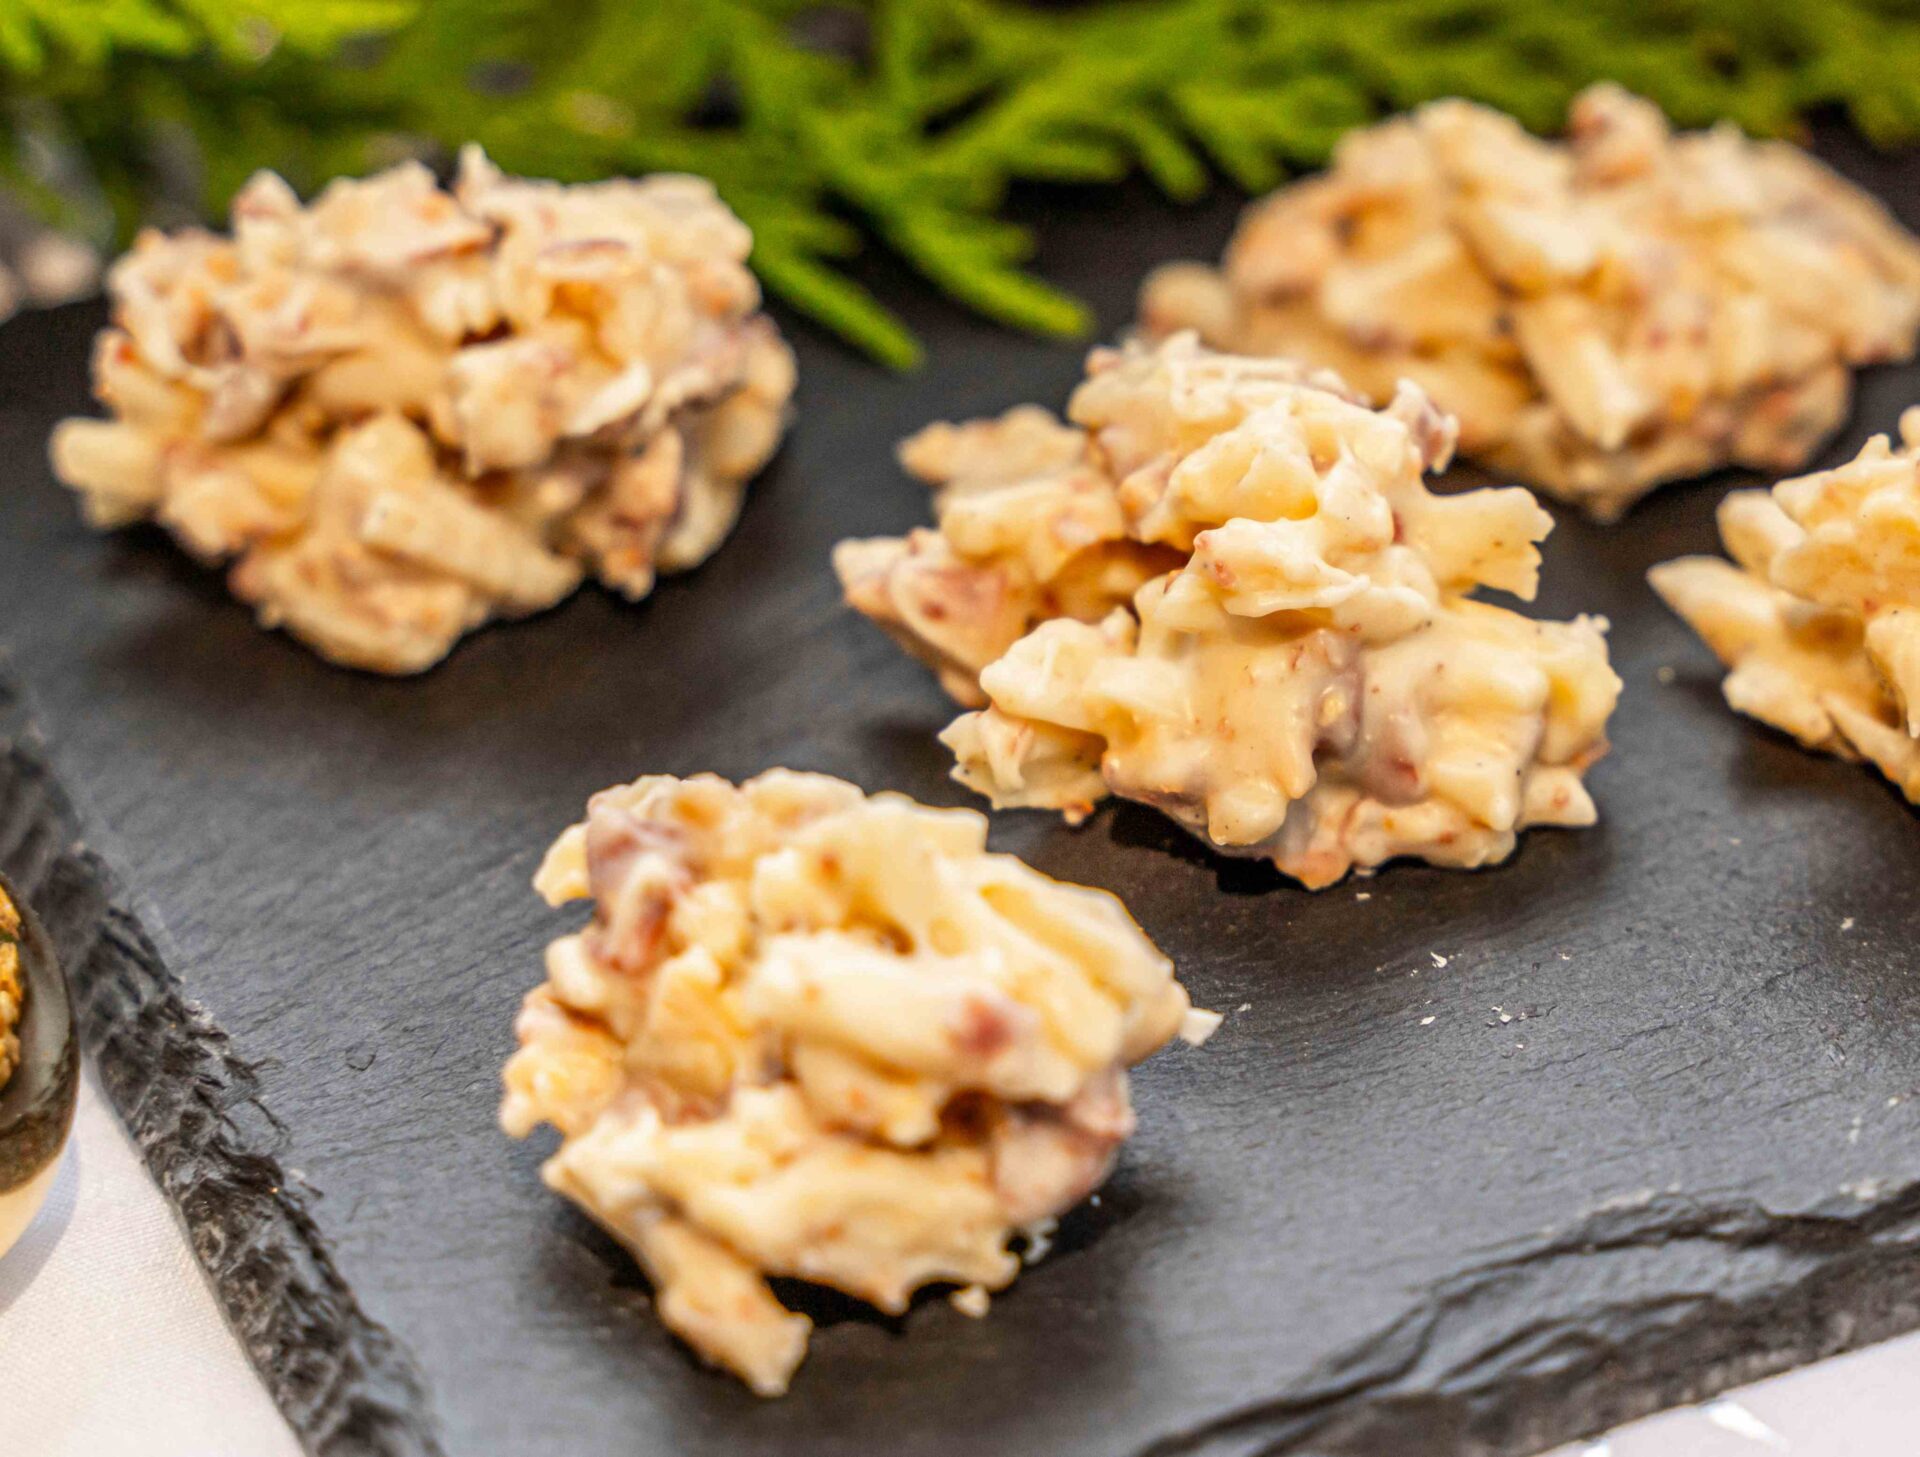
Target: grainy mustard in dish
x=12 y=991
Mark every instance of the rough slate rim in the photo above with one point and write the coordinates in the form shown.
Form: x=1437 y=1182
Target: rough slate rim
x=347 y=1386
x=344 y=1383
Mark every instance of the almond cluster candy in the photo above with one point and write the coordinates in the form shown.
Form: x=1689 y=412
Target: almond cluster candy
x=1306 y=678
x=1602 y=314
x=1817 y=617
x=814 y=1034
x=402 y=410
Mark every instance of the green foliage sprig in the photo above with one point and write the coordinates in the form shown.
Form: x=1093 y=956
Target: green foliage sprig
x=898 y=121
x=32 y=32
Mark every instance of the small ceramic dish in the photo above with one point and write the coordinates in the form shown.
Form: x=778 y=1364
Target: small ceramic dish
x=36 y=1100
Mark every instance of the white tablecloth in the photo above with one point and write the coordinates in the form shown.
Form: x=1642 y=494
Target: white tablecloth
x=110 y=1342
x=111 y=1346
x=1864 y=1404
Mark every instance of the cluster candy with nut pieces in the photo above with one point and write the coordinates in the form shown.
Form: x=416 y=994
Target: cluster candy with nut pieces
x=816 y=1034
x=1817 y=617
x=403 y=410
x=1312 y=682
x=1624 y=308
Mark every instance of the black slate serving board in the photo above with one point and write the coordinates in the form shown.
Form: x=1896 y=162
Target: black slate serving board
x=1477 y=1162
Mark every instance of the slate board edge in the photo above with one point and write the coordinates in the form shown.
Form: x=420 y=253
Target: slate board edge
x=1427 y=1385
x=346 y=1386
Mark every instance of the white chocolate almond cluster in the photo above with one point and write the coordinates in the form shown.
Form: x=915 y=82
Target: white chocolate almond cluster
x=1312 y=683
x=1031 y=523
x=814 y=1034
x=1029 y=528
x=402 y=410
x=1817 y=617
x=1623 y=308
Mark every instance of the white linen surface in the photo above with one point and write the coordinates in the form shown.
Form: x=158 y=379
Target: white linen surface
x=111 y=1344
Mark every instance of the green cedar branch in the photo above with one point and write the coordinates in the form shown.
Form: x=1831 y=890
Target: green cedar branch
x=898 y=122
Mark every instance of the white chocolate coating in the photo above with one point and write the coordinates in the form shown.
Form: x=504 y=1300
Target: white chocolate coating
x=1817 y=617
x=401 y=410
x=1313 y=684
x=1602 y=314
x=815 y=1034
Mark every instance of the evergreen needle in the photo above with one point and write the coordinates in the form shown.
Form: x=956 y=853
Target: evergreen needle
x=900 y=121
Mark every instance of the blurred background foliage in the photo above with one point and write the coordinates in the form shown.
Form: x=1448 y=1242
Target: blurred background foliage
x=897 y=122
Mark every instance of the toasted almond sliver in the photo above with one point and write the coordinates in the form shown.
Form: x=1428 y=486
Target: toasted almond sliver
x=436 y=527
x=1568 y=352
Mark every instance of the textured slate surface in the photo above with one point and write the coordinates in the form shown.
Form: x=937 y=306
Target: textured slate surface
x=193 y=1109
x=1692 y=1155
